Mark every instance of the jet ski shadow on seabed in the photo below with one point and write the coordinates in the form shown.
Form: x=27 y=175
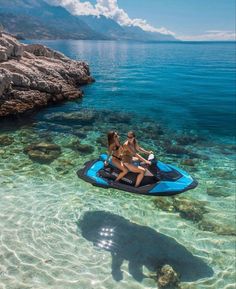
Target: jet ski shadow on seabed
x=141 y=246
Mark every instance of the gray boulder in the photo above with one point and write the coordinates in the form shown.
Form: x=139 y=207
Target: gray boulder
x=33 y=76
x=43 y=152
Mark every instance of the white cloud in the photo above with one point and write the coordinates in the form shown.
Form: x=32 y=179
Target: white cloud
x=212 y=35
x=147 y=27
x=110 y=9
x=75 y=7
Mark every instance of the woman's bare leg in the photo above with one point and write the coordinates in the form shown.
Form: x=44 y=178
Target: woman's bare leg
x=139 y=179
x=139 y=170
x=148 y=173
x=121 y=175
x=121 y=167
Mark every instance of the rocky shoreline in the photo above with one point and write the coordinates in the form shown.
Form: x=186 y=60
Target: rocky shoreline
x=34 y=76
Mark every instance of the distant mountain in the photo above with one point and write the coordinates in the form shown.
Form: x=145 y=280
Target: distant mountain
x=138 y=34
x=104 y=25
x=37 y=19
x=113 y=30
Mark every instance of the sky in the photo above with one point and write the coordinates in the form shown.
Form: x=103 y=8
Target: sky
x=185 y=19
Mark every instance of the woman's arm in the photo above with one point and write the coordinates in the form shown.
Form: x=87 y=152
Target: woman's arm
x=142 y=150
x=136 y=155
x=143 y=159
x=109 y=153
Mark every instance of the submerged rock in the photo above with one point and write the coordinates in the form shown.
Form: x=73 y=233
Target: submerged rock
x=119 y=117
x=198 y=156
x=152 y=131
x=33 y=76
x=171 y=147
x=219 y=226
x=83 y=117
x=222 y=173
x=54 y=127
x=188 y=208
x=102 y=140
x=218 y=191
x=6 y=140
x=166 y=278
x=189 y=162
x=226 y=149
x=196 y=211
x=79 y=133
x=165 y=204
x=43 y=152
x=175 y=149
x=83 y=148
x=186 y=139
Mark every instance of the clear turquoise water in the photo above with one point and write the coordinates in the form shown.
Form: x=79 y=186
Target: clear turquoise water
x=187 y=89
x=184 y=86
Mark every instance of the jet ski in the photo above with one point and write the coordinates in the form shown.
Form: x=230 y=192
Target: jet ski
x=162 y=179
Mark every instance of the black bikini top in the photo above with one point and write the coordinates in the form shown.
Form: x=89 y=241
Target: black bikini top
x=116 y=148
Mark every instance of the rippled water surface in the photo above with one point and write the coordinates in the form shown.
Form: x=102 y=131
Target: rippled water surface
x=56 y=231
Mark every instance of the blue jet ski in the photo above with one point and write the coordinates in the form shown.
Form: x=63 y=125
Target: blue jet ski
x=165 y=179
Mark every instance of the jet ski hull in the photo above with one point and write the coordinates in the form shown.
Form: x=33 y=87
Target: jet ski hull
x=167 y=180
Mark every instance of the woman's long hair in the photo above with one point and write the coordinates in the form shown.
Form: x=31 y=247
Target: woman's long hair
x=133 y=134
x=110 y=137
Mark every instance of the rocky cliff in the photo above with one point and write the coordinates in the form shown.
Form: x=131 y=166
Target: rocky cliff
x=33 y=76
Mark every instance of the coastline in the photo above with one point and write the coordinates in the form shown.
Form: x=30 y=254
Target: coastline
x=34 y=76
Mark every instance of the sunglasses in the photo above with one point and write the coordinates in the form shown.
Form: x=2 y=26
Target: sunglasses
x=130 y=137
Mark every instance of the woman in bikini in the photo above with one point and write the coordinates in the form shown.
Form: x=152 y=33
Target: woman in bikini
x=114 y=151
x=130 y=149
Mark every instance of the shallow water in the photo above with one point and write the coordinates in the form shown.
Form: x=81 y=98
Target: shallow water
x=42 y=206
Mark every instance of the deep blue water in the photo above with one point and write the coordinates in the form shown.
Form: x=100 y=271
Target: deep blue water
x=181 y=85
